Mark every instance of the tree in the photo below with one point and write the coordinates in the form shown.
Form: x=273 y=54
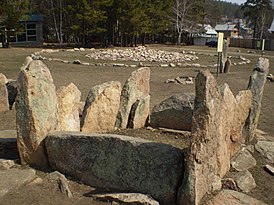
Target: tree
x=11 y=12
x=258 y=13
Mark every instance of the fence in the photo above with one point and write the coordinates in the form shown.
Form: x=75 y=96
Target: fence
x=252 y=43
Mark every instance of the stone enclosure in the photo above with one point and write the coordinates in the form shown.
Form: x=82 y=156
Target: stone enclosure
x=50 y=132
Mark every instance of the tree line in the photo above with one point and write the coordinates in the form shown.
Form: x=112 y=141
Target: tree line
x=118 y=22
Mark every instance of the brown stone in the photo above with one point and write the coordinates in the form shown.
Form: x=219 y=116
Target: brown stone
x=101 y=108
x=68 y=113
x=136 y=87
x=36 y=112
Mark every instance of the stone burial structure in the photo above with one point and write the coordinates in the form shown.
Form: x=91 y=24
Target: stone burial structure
x=130 y=164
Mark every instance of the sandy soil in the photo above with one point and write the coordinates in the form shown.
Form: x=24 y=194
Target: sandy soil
x=85 y=77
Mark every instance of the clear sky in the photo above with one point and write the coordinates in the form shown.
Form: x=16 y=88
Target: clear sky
x=236 y=1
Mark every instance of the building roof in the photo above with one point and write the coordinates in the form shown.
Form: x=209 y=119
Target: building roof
x=225 y=27
x=211 y=32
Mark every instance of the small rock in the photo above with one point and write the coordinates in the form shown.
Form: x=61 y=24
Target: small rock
x=128 y=198
x=269 y=169
x=243 y=160
x=62 y=182
x=82 y=49
x=266 y=149
x=6 y=164
x=170 y=81
x=178 y=80
x=229 y=183
x=76 y=49
x=78 y=62
x=163 y=65
x=172 y=65
x=245 y=181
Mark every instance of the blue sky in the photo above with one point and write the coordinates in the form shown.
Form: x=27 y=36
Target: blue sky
x=236 y=1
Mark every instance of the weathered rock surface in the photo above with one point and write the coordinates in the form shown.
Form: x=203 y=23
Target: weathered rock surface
x=8 y=144
x=62 y=183
x=119 y=163
x=12 y=92
x=229 y=197
x=68 y=104
x=26 y=63
x=135 y=88
x=245 y=181
x=4 y=103
x=139 y=113
x=218 y=119
x=101 y=108
x=256 y=86
x=6 y=164
x=127 y=198
x=266 y=148
x=243 y=160
x=174 y=113
x=36 y=112
x=14 y=178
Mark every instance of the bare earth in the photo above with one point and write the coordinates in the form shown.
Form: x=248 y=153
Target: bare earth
x=85 y=77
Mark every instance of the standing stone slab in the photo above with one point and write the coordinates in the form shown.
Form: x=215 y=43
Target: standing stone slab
x=174 y=113
x=224 y=56
x=119 y=163
x=4 y=103
x=139 y=113
x=136 y=87
x=36 y=112
x=68 y=113
x=12 y=91
x=101 y=108
x=256 y=86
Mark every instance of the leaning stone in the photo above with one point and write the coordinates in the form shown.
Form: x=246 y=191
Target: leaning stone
x=174 y=113
x=245 y=181
x=4 y=103
x=266 y=149
x=118 y=163
x=6 y=164
x=136 y=87
x=256 y=85
x=127 y=198
x=12 y=91
x=62 y=182
x=269 y=169
x=243 y=160
x=101 y=108
x=36 y=112
x=9 y=179
x=139 y=113
x=229 y=197
x=68 y=113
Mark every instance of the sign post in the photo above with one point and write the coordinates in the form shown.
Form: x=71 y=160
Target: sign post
x=219 y=51
x=263 y=44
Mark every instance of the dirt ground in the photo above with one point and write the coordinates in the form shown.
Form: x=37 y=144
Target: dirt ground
x=85 y=77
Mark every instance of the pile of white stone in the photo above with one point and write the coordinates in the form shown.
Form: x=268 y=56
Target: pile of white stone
x=141 y=53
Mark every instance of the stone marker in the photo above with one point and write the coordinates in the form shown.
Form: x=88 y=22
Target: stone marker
x=68 y=103
x=224 y=55
x=36 y=112
x=101 y=108
x=136 y=87
x=243 y=160
x=4 y=103
x=127 y=198
x=174 y=113
x=9 y=179
x=119 y=163
x=227 y=66
x=256 y=86
x=229 y=197
x=245 y=181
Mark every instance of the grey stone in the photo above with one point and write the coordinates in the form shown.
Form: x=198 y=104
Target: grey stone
x=245 y=181
x=229 y=197
x=266 y=149
x=12 y=92
x=174 y=113
x=243 y=160
x=36 y=112
x=118 y=162
x=76 y=62
x=14 y=178
x=127 y=198
x=269 y=169
x=256 y=86
x=62 y=182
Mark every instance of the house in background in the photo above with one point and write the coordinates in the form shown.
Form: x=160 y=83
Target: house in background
x=31 y=32
x=229 y=30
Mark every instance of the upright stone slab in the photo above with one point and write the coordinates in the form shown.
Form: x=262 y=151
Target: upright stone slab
x=218 y=120
x=224 y=55
x=68 y=112
x=227 y=66
x=136 y=87
x=101 y=108
x=256 y=86
x=174 y=113
x=36 y=113
x=119 y=163
x=4 y=103
x=12 y=91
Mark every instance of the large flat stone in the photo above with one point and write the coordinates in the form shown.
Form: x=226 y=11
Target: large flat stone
x=13 y=178
x=119 y=163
